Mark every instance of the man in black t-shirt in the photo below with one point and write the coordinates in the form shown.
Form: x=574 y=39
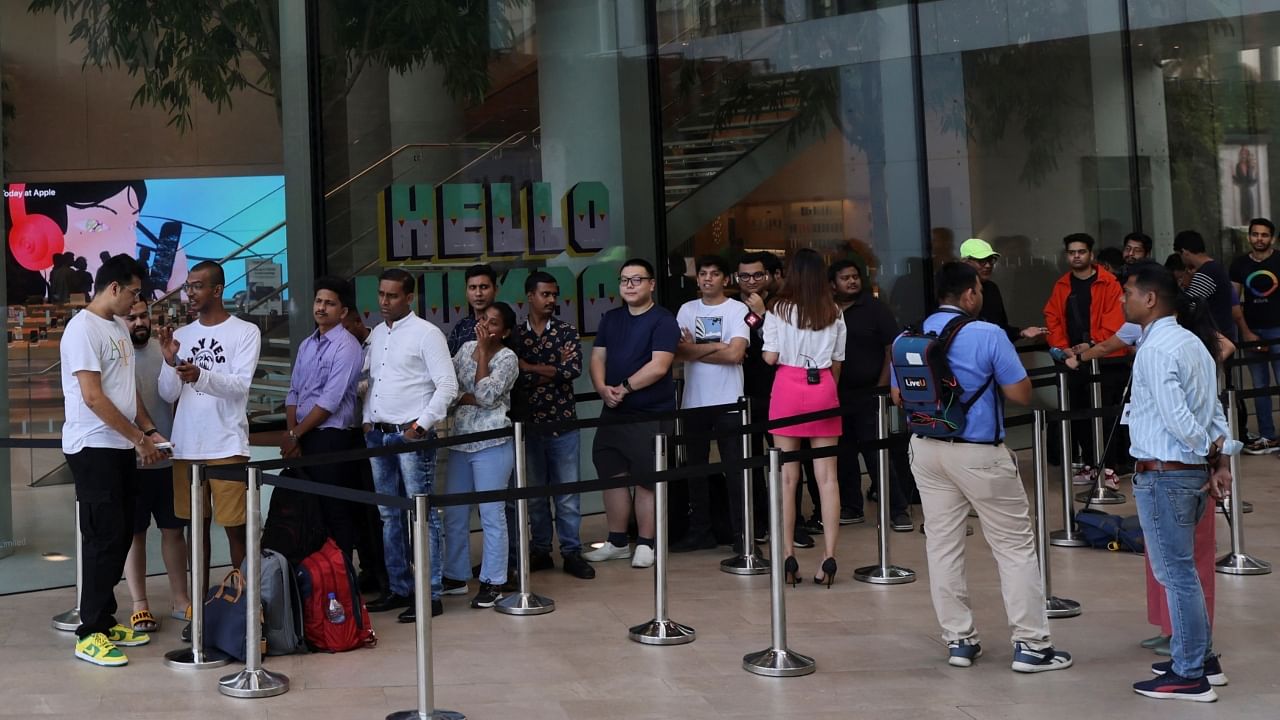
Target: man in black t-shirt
x=1210 y=281
x=979 y=253
x=1256 y=276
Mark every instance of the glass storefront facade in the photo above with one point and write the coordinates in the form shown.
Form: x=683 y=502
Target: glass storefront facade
x=343 y=138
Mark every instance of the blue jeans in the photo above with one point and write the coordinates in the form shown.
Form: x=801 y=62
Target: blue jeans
x=1170 y=503
x=478 y=471
x=553 y=460
x=406 y=475
x=1262 y=373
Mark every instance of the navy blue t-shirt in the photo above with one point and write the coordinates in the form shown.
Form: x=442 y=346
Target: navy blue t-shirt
x=631 y=341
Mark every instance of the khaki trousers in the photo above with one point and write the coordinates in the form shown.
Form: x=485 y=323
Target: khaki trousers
x=952 y=477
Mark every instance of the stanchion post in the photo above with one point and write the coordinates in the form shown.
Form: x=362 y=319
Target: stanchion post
x=1067 y=536
x=1238 y=562
x=777 y=660
x=661 y=630
x=70 y=620
x=197 y=657
x=1100 y=494
x=1054 y=607
x=427 y=709
x=749 y=561
x=253 y=681
x=884 y=573
x=523 y=602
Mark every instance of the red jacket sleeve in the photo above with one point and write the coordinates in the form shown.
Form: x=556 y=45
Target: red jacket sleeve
x=1053 y=317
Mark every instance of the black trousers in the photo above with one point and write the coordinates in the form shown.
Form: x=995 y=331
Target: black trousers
x=715 y=502
x=367 y=521
x=106 y=488
x=339 y=515
x=860 y=428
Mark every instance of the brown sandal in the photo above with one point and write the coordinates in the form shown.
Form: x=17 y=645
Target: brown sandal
x=143 y=621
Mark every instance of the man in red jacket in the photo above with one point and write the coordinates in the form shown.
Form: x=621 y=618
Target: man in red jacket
x=1085 y=308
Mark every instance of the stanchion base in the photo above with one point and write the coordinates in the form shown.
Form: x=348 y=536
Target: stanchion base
x=753 y=564
x=1242 y=564
x=67 y=621
x=525 y=604
x=253 y=684
x=1056 y=607
x=1100 y=496
x=433 y=715
x=184 y=659
x=662 y=632
x=886 y=575
x=778 y=663
x=1224 y=507
x=1060 y=538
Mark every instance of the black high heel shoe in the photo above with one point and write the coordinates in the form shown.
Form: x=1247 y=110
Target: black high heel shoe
x=792 y=569
x=828 y=573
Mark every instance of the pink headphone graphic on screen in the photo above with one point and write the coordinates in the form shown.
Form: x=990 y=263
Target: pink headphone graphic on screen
x=33 y=239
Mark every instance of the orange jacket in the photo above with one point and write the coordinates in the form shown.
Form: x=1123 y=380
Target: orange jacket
x=1106 y=311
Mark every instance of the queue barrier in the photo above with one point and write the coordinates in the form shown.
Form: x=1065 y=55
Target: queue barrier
x=1238 y=562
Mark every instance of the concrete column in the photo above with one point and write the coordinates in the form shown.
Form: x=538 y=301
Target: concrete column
x=1155 y=179
x=1109 y=208
x=300 y=184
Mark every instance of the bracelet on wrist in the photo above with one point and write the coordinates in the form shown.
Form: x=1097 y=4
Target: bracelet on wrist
x=151 y=432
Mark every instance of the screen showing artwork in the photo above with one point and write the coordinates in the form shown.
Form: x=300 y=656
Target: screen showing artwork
x=57 y=234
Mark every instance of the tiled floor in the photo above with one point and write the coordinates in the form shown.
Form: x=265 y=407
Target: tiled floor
x=877 y=649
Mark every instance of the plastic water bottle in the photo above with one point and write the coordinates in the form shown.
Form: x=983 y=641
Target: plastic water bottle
x=336 y=614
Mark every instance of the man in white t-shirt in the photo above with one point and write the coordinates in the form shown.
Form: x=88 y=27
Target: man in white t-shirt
x=107 y=432
x=713 y=341
x=208 y=367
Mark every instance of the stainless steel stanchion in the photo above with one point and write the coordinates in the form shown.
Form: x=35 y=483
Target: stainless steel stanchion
x=70 y=620
x=196 y=657
x=523 y=602
x=253 y=681
x=1224 y=507
x=661 y=630
x=427 y=709
x=777 y=660
x=1067 y=536
x=1054 y=607
x=1100 y=494
x=885 y=573
x=749 y=561
x=1238 y=562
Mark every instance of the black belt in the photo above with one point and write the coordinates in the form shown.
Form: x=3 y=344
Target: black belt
x=392 y=427
x=996 y=443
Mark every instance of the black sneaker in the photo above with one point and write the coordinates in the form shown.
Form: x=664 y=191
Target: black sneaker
x=694 y=541
x=437 y=608
x=1028 y=660
x=389 y=601
x=813 y=525
x=486 y=596
x=454 y=587
x=1212 y=670
x=849 y=516
x=901 y=523
x=802 y=539
x=577 y=567
x=541 y=561
x=1172 y=687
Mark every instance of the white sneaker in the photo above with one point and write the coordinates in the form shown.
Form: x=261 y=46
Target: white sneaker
x=607 y=551
x=643 y=557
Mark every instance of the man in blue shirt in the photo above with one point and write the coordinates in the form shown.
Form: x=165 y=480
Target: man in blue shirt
x=1180 y=442
x=977 y=470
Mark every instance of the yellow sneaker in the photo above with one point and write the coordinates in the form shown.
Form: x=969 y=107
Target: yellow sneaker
x=98 y=650
x=127 y=637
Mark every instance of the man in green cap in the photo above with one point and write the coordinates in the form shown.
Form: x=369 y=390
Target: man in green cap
x=983 y=257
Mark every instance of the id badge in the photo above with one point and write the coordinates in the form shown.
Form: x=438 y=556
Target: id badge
x=1124 y=414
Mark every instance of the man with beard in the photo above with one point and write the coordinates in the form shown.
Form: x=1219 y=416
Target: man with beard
x=1256 y=276
x=983 y=258
x=1137 y=247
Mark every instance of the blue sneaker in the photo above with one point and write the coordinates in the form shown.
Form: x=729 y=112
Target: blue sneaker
x=963 y=652
x=1212 y=670
x=1173 y=687
x=1028 y=660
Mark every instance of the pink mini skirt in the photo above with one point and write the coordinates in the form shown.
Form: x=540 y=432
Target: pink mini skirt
x=793 y=395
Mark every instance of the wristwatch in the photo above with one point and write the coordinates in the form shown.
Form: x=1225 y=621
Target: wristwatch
x=151 y=432
x=626 y=385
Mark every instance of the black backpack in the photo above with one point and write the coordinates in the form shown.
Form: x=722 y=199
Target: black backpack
x=295 y=527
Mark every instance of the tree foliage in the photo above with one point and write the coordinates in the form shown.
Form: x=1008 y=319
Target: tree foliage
x=181 y=49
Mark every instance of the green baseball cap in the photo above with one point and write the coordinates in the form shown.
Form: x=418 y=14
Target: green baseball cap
x=978 y=249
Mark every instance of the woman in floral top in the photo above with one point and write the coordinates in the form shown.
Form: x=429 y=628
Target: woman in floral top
x=486 y=369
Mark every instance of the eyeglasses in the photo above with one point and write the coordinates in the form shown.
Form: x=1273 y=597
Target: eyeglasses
x=633 y=281
x=197 y=286
x=135 y=291
x=990 y=261
x=753 y=277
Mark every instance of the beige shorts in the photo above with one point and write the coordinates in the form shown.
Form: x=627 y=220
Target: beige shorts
x=226 y=497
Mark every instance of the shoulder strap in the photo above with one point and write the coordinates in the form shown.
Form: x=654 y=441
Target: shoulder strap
x=948 y=336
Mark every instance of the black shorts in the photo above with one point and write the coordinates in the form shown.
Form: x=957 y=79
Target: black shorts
x=155 y=499
x=627 y=448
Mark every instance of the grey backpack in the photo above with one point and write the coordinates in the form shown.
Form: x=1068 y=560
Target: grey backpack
x=281 y=606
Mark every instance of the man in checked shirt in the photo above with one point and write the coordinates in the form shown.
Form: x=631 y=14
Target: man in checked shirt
x=550 y=360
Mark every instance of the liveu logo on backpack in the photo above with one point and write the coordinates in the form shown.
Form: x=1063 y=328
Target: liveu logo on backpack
x=931 y=394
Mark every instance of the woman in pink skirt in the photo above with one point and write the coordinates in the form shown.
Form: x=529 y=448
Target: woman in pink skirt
x=804 y=335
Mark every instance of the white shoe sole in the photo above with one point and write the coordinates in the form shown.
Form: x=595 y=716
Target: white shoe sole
x=132 y=643
x=1059 y=664
x=99 y=663
x=1204 y=697
x=455 y=591
x=606 y=554
x=963 y=662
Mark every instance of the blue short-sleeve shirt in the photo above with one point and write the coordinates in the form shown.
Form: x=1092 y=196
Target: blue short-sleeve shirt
x=630 y=341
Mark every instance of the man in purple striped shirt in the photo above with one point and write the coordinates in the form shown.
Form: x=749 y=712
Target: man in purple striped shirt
x=320 y=409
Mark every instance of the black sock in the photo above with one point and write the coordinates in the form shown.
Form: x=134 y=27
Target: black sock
x=644 y=541
x=619 y=539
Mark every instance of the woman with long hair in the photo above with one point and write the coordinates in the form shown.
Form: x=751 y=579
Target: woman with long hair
x=804 y=335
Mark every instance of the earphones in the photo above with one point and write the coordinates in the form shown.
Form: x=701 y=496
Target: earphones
x=34 y=239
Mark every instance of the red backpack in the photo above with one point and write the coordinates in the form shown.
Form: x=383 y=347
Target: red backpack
x=328 y=571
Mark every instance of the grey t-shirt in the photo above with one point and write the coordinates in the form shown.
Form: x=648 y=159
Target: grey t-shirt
x=147 y=361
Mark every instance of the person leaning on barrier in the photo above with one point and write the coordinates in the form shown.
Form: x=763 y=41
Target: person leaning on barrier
x=631 y=369
x=982 y=257
x=155 y=487
x=482 y=288
x=320 y=408
x=1255 y=276
x=713 y=341
x=486 y=369
x=106 y=434
x=973 y=470
x=550 y=360
x=411 y=385
x=1181 y=442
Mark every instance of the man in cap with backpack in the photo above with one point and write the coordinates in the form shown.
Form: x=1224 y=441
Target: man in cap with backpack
x=950 y=378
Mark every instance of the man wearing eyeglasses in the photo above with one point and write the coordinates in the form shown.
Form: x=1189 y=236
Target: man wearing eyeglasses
x=983 y=258
x=631 y=369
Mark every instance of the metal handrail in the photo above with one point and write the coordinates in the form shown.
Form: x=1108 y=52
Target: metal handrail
x=273 y=230
x=414 y=146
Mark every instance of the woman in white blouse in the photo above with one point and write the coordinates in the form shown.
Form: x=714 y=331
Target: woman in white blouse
x=486 y=369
